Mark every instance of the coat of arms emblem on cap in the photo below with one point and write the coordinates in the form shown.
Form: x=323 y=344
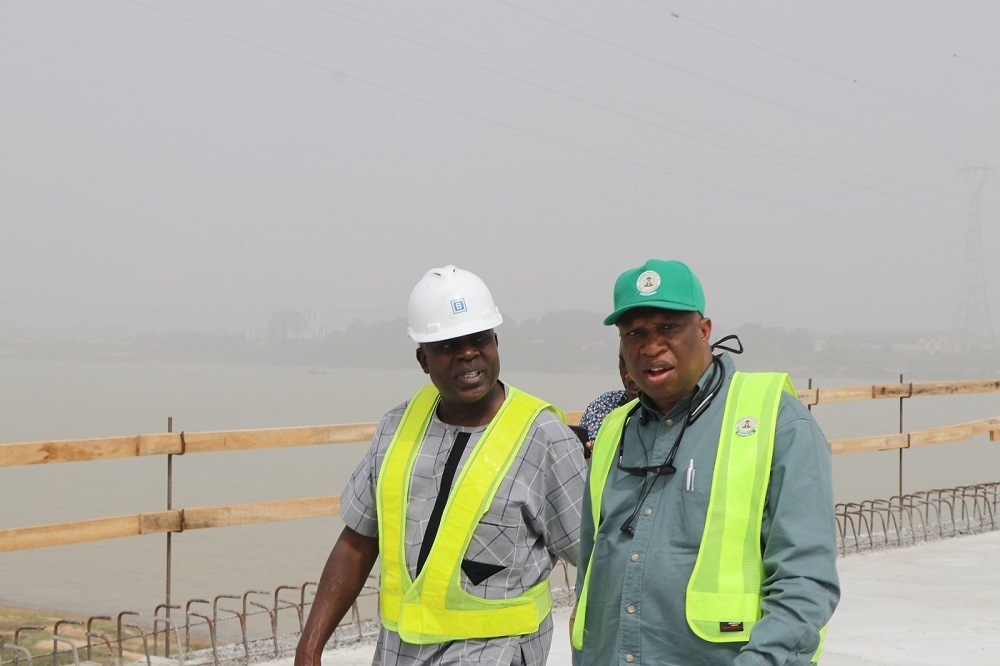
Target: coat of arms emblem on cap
x=648 y=282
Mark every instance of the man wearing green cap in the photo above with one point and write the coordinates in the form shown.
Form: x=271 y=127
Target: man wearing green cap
x=708 y=532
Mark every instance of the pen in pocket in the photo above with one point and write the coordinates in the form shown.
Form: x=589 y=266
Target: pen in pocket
x=689 y=477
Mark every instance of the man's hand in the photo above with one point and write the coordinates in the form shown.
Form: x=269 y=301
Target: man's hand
x=344 y=575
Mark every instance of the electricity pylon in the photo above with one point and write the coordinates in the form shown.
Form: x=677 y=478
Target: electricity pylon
x=973 y=322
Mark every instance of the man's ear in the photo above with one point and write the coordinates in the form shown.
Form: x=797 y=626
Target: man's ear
x=422 y=360
x=496 y=339
x=706 y=328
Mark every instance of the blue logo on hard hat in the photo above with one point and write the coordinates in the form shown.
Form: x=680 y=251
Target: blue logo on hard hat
x=458 y=306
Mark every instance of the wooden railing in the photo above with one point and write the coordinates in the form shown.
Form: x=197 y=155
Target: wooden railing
x=179 y=520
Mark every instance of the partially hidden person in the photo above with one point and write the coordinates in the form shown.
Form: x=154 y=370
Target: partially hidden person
x=602 y=405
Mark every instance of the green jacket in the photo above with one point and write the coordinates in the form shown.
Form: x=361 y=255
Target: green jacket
x=636 y=606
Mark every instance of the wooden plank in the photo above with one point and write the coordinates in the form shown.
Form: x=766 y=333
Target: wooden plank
x=61 y=534
x=959 y=433
x=876 y=443
x=241 y=440
x=260 y=512
x=844 y=394
x=808 y=396
x=956 y=388
x=78 y=450
x=814 y=396
x=897 y=390
x=159 y=522
x=892 y=390
x=968 y=429
x=156 y=522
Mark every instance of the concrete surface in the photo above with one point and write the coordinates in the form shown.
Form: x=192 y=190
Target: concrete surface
x=933 y=604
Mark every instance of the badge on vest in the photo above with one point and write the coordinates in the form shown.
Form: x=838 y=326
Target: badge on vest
x=730 y=627
x=746 y=426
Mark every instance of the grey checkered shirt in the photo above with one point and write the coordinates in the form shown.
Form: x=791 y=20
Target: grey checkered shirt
x=534 y=519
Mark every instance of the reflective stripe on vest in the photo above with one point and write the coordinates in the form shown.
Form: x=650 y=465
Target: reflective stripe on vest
x=434 y=608
x=601 y=458
x=724 y=592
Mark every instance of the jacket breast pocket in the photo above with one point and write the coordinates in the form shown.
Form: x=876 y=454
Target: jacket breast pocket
x=493 y=547
x=687 y=523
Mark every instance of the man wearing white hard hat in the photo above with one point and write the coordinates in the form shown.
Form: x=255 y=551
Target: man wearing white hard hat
x=469 y=493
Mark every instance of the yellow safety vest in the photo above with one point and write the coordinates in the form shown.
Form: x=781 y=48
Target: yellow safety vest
x=434 y=608
x=724 y=591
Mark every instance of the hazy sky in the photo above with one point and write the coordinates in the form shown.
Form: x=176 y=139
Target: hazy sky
x=203 y=164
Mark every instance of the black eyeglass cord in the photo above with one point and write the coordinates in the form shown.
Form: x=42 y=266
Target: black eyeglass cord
x=627 y=526
x=667 y=467
x=718 y=344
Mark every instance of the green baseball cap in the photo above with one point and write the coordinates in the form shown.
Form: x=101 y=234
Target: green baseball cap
x=657 y=284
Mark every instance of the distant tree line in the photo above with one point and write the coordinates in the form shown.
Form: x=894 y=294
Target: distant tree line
x=565 y=341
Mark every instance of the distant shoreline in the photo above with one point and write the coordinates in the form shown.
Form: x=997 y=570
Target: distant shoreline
x=14 y=615
x=9 y=607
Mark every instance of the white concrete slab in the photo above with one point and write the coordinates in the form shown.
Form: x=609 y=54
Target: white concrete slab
x=933 y=604
x=925 y=605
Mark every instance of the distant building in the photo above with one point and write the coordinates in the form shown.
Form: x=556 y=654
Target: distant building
x=903 y=342
x=295 y=325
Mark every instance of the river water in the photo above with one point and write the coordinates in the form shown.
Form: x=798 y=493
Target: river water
x=44 y=400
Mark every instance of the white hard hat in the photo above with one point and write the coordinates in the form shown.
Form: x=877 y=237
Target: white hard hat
x=449 y=303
